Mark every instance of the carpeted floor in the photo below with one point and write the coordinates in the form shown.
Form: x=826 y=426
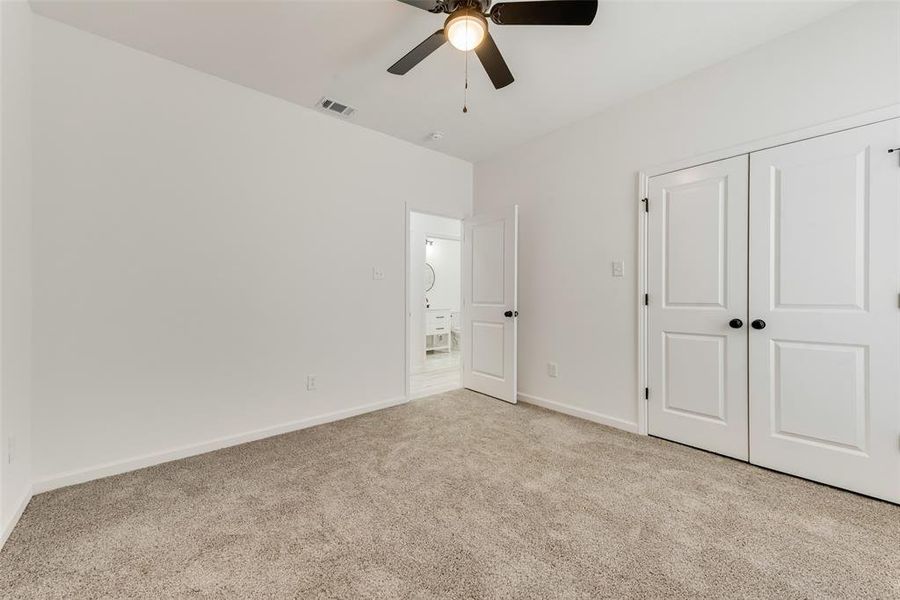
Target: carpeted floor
x=458 y=496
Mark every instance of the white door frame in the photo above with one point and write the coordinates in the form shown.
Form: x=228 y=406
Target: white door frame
x=407 y=355
x=643 y=184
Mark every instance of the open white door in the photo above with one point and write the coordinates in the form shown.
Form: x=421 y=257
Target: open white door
x=490 y=247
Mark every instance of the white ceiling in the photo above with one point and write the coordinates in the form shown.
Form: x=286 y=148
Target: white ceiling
x=302 y=50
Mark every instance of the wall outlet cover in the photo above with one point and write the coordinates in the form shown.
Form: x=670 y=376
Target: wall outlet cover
x=618 y=269
x=311 y=383
x=377 y=274
x=552 y=369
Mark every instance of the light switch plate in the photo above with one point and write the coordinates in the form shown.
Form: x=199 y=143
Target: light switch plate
x=618 y=269
x=377 y=274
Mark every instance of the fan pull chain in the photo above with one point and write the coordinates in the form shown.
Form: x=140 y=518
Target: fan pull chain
x=466 y=88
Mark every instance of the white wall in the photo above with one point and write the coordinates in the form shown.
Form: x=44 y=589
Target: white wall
x=421 y=226
x=444 y=257
x=199 y=249
x=15 y=261
x=577 y=190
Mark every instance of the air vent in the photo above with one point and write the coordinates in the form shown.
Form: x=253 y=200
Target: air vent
x=333 y=106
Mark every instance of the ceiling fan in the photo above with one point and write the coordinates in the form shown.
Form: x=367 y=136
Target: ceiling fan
x=467 y=28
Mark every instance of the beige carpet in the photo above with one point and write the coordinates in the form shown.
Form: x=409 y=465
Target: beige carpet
x=459 y=496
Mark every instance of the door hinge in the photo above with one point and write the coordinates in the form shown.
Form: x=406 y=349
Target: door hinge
x=646 y=299
x=646 y=202
x=646 y=393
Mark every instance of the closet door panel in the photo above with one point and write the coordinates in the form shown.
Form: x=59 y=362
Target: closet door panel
x=824 y=278
x=697 y=284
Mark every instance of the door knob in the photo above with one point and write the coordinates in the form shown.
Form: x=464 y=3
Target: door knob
x=735 y=323
x=510 y=313
x=758 y=324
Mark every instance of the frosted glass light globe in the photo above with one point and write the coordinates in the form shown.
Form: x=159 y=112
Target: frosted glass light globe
x=465 y=32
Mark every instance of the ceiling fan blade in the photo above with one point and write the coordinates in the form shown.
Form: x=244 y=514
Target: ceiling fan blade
x=434 y=6
x=493 y=63
x=419 y=53
x=549 y=12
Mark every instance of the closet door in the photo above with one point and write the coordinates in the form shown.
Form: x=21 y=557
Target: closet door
x=824 y=283
x=697 y=285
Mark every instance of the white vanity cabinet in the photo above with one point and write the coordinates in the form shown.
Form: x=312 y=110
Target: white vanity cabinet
x=437 y=329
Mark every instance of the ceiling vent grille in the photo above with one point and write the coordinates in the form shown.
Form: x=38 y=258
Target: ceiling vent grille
x=333 y=106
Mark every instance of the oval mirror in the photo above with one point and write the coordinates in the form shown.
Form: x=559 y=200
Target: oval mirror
x=429 y=277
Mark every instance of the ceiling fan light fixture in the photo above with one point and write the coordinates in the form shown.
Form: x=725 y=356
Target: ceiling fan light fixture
x=465 y=30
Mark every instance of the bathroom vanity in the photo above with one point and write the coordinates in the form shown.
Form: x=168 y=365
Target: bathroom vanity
x=437 y=329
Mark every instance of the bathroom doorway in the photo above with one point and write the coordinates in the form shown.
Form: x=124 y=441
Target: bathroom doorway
x=434 y=287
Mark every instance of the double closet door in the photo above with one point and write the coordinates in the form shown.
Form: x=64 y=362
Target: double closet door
x=774 y=324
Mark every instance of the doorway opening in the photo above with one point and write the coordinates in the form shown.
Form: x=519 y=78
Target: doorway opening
x=435 y=293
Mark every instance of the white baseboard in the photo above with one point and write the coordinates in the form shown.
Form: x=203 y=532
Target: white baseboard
x=13 y=520
x=148 y=460
x=581 y=413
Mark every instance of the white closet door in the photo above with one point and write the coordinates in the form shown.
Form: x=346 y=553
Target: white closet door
x=824 y=283
x=697 y=284
x=490 y=309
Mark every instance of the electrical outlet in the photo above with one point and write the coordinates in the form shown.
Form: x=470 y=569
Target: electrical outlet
x=10 y=449
x=552 y=369
x=377 y=274
x=618 y=269
x=310 y=383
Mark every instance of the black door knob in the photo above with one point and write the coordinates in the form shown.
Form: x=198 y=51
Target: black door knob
x=507 y=313
x=735 y=323
x=758 y=324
